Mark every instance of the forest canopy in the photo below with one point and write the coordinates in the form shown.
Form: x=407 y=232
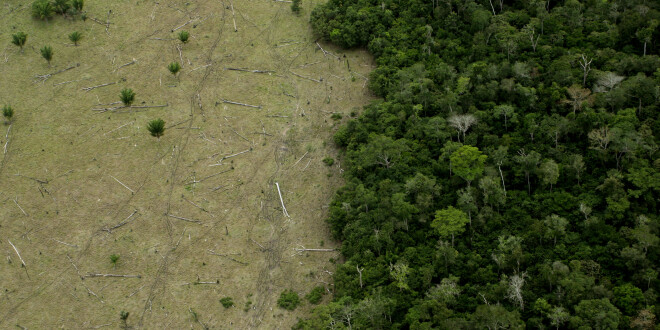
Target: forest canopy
x=509 y=175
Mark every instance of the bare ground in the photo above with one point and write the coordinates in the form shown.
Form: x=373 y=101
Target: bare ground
x=197 y=213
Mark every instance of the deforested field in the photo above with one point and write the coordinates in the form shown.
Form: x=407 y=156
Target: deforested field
x=194 y=216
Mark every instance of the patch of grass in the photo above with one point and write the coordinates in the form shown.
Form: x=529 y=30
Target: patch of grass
x=288 y=300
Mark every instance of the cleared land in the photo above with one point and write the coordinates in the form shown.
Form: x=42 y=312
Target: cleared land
x=81 y=180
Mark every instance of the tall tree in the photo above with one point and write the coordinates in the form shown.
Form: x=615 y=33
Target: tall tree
x=449 y=222
x=468 y=163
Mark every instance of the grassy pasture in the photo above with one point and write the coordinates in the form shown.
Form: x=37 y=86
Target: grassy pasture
x=197 y=212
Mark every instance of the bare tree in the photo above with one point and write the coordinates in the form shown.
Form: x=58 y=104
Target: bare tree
x=514 y=292
x=578 y=97
x=585 y=63
x=462 y=123
x=600 y=138
x=529 y=31
x=607 y=82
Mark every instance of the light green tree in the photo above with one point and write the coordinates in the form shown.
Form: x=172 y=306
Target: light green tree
x=468 y=163
x=558 y=316
x=399 y=272
x=555 y=226
x=549 y=172
x=450 y=222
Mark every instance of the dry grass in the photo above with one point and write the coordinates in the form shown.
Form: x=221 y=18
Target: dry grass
x=70 y=173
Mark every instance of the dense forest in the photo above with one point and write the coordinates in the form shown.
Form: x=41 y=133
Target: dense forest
x=509 y=175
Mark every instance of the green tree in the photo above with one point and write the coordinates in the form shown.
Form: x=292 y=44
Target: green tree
x=114 y=259
x=75 y=37
x=449 y=222
x=507 y=111
x=78 y=4
x=399 y=273
x=19 y=39
x=628 y=298
x=645 y=34
x=174 y=68
x=288 y=300
x=555 y=226
x=295 y=6
x=496 y=317
x=42 y=9
x=468 y=162
x=314 y=297
x=156 y=127
x=596 y=314
x=558 y=316
x=183 y=36
x=549 y=171
x=127 y=96
x=8 y=112
x=123 y=315
x=47 y=53
x=528 y=162
x=61 y=6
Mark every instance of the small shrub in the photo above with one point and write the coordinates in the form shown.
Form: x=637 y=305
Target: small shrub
x=42 y=9
x=336 y=116
x=156 y=127
x=127 y=96
x=315 y=296
x=328 y=161
x=289 y=300
x=8 y=112
x=75 y=37
x=19 y=39
x=227 y=302
x=114 y=259
x=174 y=68
x=183 y=36
x=123 y=315
x=47 y=53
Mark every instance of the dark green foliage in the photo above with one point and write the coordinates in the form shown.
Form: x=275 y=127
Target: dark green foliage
x=183 y=36
x=174 y=68
x=227 y=302
x=288 y=300
x=328 y=161
x=156 y=127
x=8 y=112
x=61 y=6
x=75 y=37
x=315 y=296
x=19 y=39
x=492 y=131
x=47 y=53
x=42 y=9
x=295 y=6
x=127 y=96
x=78 y=4
x=123 y=316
